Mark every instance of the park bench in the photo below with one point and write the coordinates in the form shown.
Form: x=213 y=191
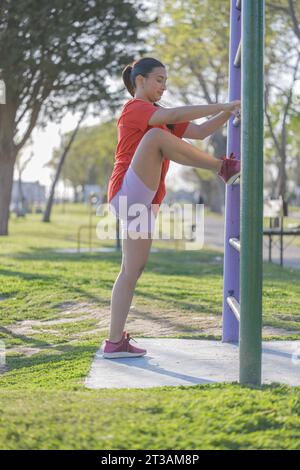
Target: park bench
x=276 y=210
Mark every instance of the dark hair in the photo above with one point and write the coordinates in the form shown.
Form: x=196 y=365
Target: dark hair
x=140 y=67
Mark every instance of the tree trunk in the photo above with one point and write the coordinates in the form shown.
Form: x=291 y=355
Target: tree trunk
x=75 y=198
x=281 y=181
x=47 y=213
x=298 y=171
x=20 y=205
x=82 y=193
x=8 y=155
x=7 y=163
x=282 y=189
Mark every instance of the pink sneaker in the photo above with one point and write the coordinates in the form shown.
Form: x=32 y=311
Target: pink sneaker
x=230 y=170
x=121 y=349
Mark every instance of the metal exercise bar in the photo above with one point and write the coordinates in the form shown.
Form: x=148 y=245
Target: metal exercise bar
x=237 y=59
x=80 y=228
x=234 y=306
x=235 y=243
x=237 y=120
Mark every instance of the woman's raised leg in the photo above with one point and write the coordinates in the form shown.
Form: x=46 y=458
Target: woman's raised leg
x=135 y=255
x=156 y=143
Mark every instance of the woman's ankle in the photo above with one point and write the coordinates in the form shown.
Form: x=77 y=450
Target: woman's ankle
x=115 y=339
x=218 y=166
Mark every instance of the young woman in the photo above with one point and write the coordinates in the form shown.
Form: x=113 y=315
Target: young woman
x=149 y=136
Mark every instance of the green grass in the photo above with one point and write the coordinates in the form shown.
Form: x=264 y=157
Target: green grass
x=199 y=417
x=44 y=404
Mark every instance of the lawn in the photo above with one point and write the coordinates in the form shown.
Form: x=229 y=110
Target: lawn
x=54 y=311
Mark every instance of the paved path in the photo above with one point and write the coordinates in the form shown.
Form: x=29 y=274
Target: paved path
x=174 y=362
x=214 y=238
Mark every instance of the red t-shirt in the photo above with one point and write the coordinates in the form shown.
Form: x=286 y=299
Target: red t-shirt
x=132 y=125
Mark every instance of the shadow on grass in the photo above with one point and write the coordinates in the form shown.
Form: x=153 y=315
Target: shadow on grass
x=163 y=263
x=55 y=280
x=69 y=353
x=47 y=254
x=280 y=273
x=27 y=276
x=166 y=262
x=176 y=303
x=26 y=339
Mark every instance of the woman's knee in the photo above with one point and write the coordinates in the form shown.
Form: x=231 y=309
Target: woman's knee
x=155 y=137
x=132 y=274
x=155 y=134
x=150 y=144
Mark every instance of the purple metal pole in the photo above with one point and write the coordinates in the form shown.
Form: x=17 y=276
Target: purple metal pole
x=232 y=194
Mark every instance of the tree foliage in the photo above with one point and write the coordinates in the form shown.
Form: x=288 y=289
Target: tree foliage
x=91 y=157
x=56 y=56
x=193 y=38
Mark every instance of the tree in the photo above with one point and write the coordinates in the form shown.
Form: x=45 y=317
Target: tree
x=282 y=66
x=47 y=213
x=290 y=10
x=59 y=56
x=191 y=37
x=193 y=41
x=279 y=119
x=91 y=157
x=294 y=151
x=21 y=165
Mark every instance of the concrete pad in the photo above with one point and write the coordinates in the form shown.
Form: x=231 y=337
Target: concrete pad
x=173 y=362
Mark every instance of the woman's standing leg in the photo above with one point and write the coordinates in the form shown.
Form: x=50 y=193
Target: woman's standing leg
x=135 y=255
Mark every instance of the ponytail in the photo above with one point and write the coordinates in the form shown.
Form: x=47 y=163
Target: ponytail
x=126 y=75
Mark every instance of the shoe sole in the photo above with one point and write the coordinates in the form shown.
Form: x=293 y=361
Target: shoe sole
x=122 y=354
x=233 y=178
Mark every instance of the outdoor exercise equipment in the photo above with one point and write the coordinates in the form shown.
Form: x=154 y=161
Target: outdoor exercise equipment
x=242 y=293
x=93 y=199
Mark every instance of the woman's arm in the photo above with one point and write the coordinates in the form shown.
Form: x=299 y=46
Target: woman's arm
x=201 y=131
x=188 y=113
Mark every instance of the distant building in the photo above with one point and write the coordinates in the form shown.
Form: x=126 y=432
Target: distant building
x=33 y=194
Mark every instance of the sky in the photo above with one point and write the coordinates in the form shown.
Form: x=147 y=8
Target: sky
x=43 y=144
